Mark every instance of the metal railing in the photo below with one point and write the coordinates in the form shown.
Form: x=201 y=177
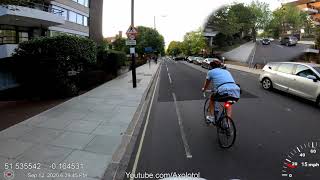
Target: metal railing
x=38 y=6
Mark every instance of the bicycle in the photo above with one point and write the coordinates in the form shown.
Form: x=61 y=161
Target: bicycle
x=224 y=124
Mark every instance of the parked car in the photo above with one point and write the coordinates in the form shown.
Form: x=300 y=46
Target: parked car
x=190 y=59
x=178 y=58
x=271 y=39
x=206 y=62
x=198 y=60
x=300 y=79
x=265 y=41
x=289 y=41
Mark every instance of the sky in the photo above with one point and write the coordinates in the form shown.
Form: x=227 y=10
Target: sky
x=173 y=17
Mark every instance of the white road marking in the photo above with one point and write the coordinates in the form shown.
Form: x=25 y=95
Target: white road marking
x=298 y=149
x=288 y=160
x=170 y=78
x=289 y=156
x=285 y=175
x=134 y=168
x=312 y=145
x=183 y=134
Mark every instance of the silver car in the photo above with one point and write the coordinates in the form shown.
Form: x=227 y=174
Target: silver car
x=301 y=79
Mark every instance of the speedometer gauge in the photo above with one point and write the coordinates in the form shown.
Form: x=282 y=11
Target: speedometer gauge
x=302 y=162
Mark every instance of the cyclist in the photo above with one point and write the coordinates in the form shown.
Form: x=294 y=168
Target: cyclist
x=224 y=87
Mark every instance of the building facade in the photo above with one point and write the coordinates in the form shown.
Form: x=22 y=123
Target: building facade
x=312 y=7
x=22 y=22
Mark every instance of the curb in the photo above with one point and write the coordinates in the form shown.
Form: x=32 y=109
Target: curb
x=121 y=158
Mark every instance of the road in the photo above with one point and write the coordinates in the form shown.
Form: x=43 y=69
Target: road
x=276 y=52
x=269 y=125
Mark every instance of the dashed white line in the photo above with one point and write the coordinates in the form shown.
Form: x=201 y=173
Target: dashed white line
x=170 y=78
x=183 y=134
x=288 y=160
x=298 y=149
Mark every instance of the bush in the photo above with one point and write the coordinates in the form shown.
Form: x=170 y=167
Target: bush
x=110 y=61
x=43 y=64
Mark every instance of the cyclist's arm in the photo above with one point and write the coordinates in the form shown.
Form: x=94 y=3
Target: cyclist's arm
x=206 y=85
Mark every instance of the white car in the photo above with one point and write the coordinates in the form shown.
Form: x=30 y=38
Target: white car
x=300 y=79
x=198 y=60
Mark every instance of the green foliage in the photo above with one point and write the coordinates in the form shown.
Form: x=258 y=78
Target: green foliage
x=286 y=18
x=148 y=37
x=193 y=43
x=175 y=48
x=110 y=61
x=43 y=63
x=239 y=18
x=120 y=45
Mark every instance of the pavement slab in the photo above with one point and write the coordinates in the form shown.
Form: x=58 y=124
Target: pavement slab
x=88 y=128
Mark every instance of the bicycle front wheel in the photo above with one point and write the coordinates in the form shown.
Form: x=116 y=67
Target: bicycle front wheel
x=226 y=131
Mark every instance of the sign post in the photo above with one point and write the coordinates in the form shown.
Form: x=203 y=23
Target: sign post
x=131 y=33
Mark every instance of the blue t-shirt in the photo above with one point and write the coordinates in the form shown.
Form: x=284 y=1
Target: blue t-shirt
x=219 y=76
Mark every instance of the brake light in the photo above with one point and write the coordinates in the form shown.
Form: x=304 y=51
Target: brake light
x=227 y=105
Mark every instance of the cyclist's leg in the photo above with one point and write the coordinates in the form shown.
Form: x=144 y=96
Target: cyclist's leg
x=211 y=105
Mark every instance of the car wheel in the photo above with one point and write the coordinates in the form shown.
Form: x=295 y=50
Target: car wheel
x=266 y=84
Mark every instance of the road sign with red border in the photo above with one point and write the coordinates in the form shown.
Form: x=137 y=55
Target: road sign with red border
x=132 y=32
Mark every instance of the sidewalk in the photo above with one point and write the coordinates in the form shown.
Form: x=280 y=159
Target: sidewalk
x=242 y=53
x=245 y=69
x=86 y=130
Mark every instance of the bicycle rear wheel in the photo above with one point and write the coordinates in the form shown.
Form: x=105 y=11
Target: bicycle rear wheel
x=227 y=132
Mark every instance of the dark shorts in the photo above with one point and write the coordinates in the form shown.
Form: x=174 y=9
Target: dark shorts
x=223 y=97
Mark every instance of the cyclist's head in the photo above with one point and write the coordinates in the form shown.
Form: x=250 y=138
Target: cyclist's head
x=215 y=64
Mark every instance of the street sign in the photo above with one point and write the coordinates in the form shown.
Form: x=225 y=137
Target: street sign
x=132 y=50
x=132 y=31
x=132 y=37
x=131 y=42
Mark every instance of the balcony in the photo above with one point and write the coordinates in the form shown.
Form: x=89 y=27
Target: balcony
x=30 y=15
x=310 y=10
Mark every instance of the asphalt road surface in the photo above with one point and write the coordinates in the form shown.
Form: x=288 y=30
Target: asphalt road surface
x=269 y=125
x=277 y=53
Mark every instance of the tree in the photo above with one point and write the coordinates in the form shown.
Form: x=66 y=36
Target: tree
x=262 y=16
x=287 y=18
x=175 y=48
x=193 y=43
x=120 y=45
x=148 y=37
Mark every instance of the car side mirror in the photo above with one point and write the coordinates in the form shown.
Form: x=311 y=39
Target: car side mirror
x=312 y=77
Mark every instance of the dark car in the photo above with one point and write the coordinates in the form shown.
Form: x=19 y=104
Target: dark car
x=289 y=41
x=179 y=58
x=265 y=41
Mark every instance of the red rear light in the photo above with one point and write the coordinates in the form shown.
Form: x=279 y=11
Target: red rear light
x=227 y=105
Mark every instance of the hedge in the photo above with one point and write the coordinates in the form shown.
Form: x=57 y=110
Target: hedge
x=43 y=63
x=110 y=61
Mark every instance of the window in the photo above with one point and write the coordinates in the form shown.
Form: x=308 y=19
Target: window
x=317 y=69
x=86 y=3
x=8 y=37
x=72 y=16
x=82 y=2
x=23 y=36
x=304 y=71
x=79 y=19
x=61 y=11
x=85 y=20
x=286 y=68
